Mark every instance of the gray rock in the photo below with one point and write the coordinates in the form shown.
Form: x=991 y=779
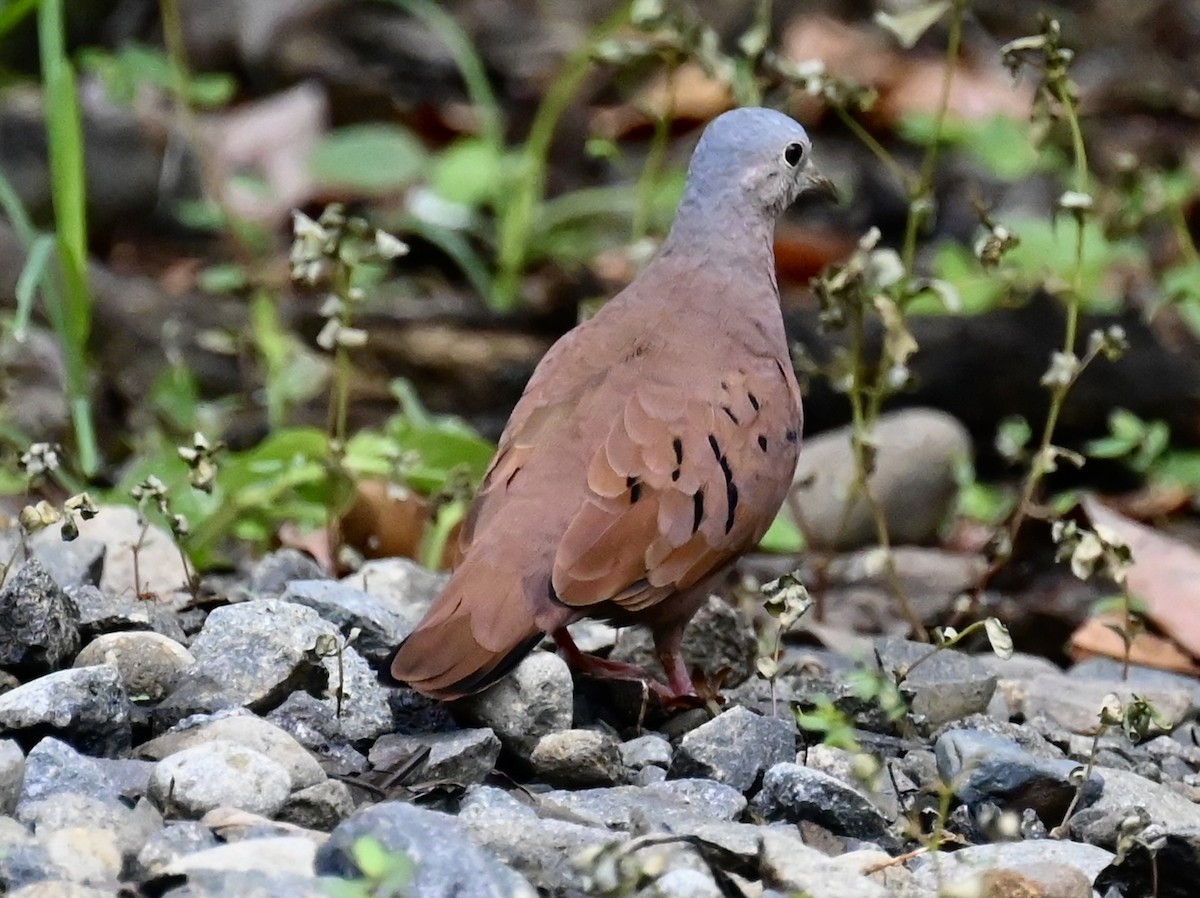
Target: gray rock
x=150 y=665
x=1161 y=862
x=735 y=747
x=403 y=584
x=1075 y=703
x=719 y=636
x=383 y=626
x=648 y=776
x=1111 y=669
x=460 y=756
x=101 y=613
x=172 y=842
x=790 y=865
x=797 y=794
x=578 y=758
x=883 y=784
x=982 y=767
x=948 y=686
x=130 y=827
x=41 y=623
x=543 y=849
x=195 y=695
x=79 y=562
x=535 y=699
x=271 y=855
x=87 y=855
x=683 y=884
x=247 y=730
x=247 y=884
x=915 y=460
x=652 y=808
x=315 y=725
x=55 y=768
x=24 y=859
x=220 y=773
x=12 y=775
x=319 y=807
x=62 y=888
x=1124 y=791
x=86 y=707
x=646 y=751
x=262 y=651
x=273 y=572
x=950 y=867
x=446 y=863
x=160 y=573
x=129 y=776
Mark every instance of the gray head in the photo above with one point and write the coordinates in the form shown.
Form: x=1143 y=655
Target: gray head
x=749 y=165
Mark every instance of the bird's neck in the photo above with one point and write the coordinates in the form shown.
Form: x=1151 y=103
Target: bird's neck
x=721 y=232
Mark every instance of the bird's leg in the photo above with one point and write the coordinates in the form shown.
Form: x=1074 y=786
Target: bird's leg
x=668 y=644
x=604 y=668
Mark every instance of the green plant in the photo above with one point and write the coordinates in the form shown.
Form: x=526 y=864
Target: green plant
x=383 y=873
x=786 y=600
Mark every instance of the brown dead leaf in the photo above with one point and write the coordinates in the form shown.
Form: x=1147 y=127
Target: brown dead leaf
x=1096 y=637
x=976 y=93
x=801 y=252
x=1165 y=575
x=860 y=55
x=1154 y=500
x=383 y=522
x=687 y=94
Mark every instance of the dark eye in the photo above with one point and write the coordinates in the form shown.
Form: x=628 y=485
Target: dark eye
x=793 y=154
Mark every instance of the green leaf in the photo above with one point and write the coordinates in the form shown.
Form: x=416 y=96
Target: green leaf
x=224 y=278
x=371 y=857
x=783 y=536
x=371 y=158
x=470 y=172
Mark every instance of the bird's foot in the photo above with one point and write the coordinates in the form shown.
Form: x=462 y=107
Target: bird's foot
x=674 y=691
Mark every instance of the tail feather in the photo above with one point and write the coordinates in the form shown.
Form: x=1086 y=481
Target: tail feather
x=465 y=642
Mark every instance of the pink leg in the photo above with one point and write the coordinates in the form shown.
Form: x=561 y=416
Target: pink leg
x=604 y=669
x=668 y=646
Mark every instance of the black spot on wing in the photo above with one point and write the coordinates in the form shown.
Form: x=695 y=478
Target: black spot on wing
x=635 y=489
x=753 y=401
x=677 y=444
x=791 y=436
x=762 y=442
x=697 y=509
x=731 y=490
x=732 y=417
x=512 y=476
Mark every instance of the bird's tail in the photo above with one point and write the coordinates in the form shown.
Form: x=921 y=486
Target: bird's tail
x=476 y=631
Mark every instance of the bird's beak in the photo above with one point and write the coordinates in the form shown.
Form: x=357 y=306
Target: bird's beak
x=818 y=183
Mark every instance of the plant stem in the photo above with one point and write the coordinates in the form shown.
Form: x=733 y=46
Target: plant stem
x=517 y=216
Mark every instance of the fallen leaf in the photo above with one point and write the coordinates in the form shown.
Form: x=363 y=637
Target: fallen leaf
x=977 y=93
x=688 y=94
x=1165 y=575
x=1096 y=638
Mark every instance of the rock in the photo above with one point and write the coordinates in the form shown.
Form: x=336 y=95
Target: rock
x=130 y=827
x=917 y=452
x=275 y=854
x=796 y=794
x=948 y=686
x=1124 y=791
x=197 y=694
x=982 y=767
x=101 y=613
x=79 y=562
x=383 y=626
x=1038 y=880
x=400 y=582
x=263 y=650
x=966 y=863
x=12 y=775
x=89 y=856
x=41 y=623
x=646 y=751
x=315 y=726
x=446 y=863
x=246 y=730
x=1100 y=668
x=217 y=774
x=883 y=784
x=578 y=758
x=24 y=859
x=653 y=808
x=172 y=842
x=273 y=572
x=735 y=747
x=160 y=573
x=1160 y=862
x=150 y=665
x=61 y=888
x=543 y=849
x=719 y=636
x=1075 y=703
x=792 y=866
x=86 y=707
x=535 y=699
x=55 y=768
x=461 y=756
x=320 y=807
x=683 y=884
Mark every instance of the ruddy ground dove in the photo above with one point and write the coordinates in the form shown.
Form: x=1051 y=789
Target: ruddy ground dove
x=652 y=446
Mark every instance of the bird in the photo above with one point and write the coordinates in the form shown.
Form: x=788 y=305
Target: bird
x=653 y=444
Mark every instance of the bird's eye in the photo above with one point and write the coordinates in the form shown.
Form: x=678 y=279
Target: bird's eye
x=793 y=154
